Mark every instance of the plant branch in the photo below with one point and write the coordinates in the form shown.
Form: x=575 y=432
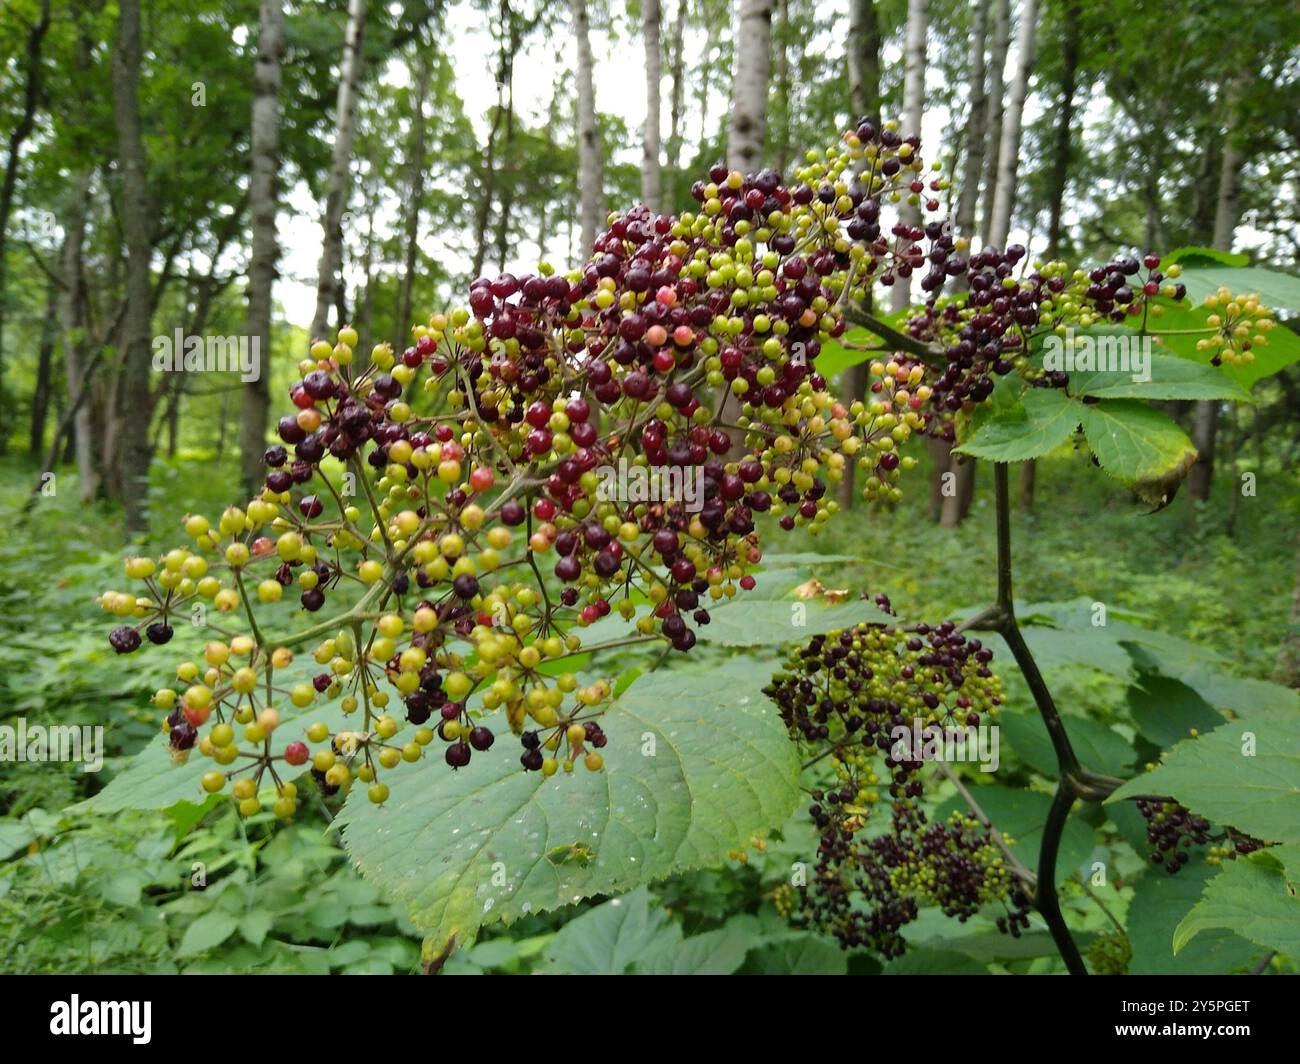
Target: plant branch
x=896 y=340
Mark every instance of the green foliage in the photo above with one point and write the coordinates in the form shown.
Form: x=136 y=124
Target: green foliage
x=696 y=764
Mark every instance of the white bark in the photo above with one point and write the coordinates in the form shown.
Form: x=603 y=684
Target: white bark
x=993 y=127
x=650 y=18
x=678 y=71
x=590 y=166
x=977 y=93
x=864 y=61
x=336 y=196
x=749 y=86
x=913 y=110
x=1004 y=193
x=262 y=190
x=1227 y=207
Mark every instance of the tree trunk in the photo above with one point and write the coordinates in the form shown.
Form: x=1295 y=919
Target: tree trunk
x=957 y=505
x=505 y=205
x=73 y=321
x=784 y=90
x=864 y=101
x=864 y=61
x=590 y=168
x=416 y=193
x=31 y=96
x=44 y=371
x=1004 y=193
x=913 y=111
x=137 y=221
x=1227 y=208
x=1058 y=178
x=1028 y=479
x=1060 y=170
x=487 y=187
x=750 y=86
x=263 y=187
x=1226 y=216
x=336 y=196
x=650 y=176
x=997 y=74
x=977 y=119
x=676 y=105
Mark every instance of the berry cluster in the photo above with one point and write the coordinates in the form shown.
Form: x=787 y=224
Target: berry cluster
x=1172 y=829
x=863 y=699
x=452 y=501
x=990 y=330
x=1239 y=324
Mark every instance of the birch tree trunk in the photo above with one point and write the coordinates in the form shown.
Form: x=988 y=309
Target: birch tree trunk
x=1058 y=178
x=133 y=393
x=973 y=164
x=913 y=111
x=998 y=220
x=864 y=102
x=1004 y=192
x=487 y=187
x=416 y=193
x=650 y=21
x=784 y=90
x=677 y=68
x=997 y=75
x=1227 y=213
x=505 y=201
x=749 y=86
x=590 y=168
x=265 y=251
x=336 y=195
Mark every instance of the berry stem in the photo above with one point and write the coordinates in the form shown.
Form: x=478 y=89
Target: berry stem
x=248 y=609
x=897 y=341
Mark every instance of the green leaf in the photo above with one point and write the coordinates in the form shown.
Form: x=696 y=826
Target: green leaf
x=206 y=932
x=797 y=953
x=1044 y=421
x=744 y=622
x=462 y=848
x=608 y=939
x=254 y=925
x=1277 y=290
x=1160 y=901
x=1197 y=257
x=1217 y=777
x=1250 y=896
x=1168 y=377
x=990 y=946
x=1098 y=746
x=1181 y=325
x=1138 y=446
x=1166 y=710
x=935 y=962
x=834 y=358
x=1204 y=670
x=718 y=952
